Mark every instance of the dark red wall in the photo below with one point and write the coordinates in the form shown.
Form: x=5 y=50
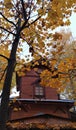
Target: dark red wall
x=27 y=87
x=34 y=108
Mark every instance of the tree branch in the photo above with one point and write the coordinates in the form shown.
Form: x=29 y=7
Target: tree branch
x=3 y=73
x=7 y=19
x=26 y=26
x=4 y=57
x=18 y=24
x=7 y=31
x=33 y=21
x=24 y=11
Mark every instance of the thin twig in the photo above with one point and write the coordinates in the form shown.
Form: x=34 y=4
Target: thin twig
x=7 y=19
x=4 y=57
x=7 y=31
x=24 y=11
x=26 y=26
x=3 y=73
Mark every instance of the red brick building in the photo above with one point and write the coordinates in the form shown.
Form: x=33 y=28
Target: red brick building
x=36 y=103
x=30 y=88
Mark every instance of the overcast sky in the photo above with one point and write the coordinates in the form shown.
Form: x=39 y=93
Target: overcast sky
x=73 y=24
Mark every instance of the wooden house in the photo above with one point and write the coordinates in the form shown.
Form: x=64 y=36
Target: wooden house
x=37 y=104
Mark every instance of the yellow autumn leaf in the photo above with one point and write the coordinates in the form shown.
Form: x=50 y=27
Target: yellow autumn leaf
x=8 y=4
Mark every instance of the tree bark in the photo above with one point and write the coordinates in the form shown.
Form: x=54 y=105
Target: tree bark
x=7 y=84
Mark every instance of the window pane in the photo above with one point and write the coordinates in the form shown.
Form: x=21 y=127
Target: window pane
x=39 y=90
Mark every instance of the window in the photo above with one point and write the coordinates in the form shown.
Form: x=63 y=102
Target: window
x=39 y=91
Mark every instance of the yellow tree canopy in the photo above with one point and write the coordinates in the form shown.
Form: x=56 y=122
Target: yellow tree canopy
x=62 y=69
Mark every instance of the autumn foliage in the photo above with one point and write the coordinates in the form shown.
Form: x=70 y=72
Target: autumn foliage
x=50 y=15
x=31 y=22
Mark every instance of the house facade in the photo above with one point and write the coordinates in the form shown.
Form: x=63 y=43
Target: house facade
x=36 y=102
x=30 y=88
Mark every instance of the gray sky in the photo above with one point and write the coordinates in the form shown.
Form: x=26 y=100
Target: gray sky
x=73 y=24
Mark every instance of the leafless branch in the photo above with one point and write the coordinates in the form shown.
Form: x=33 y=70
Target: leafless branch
x=26 y=26
x=7 y=30
x=24 y=11
x=3 y=73
x=7 y=19
x=4 y=57
x=35 y=20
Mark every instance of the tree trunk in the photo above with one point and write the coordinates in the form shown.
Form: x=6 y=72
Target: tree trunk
x=7 y=84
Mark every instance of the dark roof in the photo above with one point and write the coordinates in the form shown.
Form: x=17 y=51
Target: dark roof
x=43 y=100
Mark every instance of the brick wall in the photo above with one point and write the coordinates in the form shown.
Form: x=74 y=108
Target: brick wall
x=28 y=84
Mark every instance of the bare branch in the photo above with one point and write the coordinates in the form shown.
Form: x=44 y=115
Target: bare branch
x=34 y=20
x=26 y=26
x=7 y=19
x=18 y=24
x=24 y=11
x=3 y=74
x=4 y=57
x=7 y=31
